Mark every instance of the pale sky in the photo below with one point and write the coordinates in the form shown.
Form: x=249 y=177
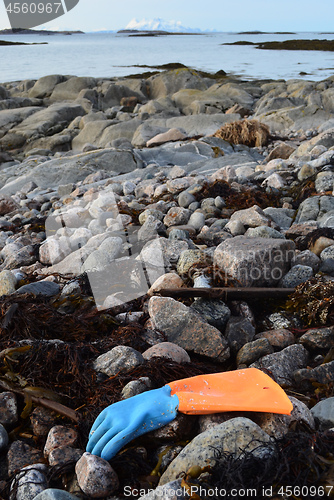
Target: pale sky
x=221 y=15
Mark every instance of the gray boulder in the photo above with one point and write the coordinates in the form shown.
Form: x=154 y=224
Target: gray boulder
x=169 y=82
x=69 y=90
x=314 y=208
x=255 y=261
x=102 y=133
x=234 y=436
x=283 y=364
x=186 y=328
x=45 y=86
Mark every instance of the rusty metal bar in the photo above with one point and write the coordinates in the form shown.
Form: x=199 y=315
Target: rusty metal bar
x=227 y=293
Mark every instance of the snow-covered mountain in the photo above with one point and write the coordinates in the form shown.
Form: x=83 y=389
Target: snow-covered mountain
x=158 y=24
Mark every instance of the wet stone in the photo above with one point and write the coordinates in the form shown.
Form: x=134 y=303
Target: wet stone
x=63 y=455
x=327 y=253
x=31 y=481
x=279 y=338
x=21 y=455
x=45 y=288
x=254 y=350
x=119 y=359
x=4 y=440
x=96 y=477
x=42 y=420
x=307 y=258
x=215 y=312
x=8 y=408
x=321 y=338
x=59 y=436
x=239 y=331
x=327 y=267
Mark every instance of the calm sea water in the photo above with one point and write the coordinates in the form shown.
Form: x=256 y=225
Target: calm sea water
x=108 y=55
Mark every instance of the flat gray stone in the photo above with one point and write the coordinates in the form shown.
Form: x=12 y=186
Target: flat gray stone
x=45 y=288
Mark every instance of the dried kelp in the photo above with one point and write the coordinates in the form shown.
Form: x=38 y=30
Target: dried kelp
x=251 y=133
x=33 y=317
x=300 y=459
x=236 y=199
x=313 y=301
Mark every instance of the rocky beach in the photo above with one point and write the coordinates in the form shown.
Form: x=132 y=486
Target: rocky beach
x=125 y=204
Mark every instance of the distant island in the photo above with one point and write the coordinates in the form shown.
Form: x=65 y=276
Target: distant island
x=4 y=42
x=265 y=33
x=24 y=31
x=324 y=45
x=132 y=32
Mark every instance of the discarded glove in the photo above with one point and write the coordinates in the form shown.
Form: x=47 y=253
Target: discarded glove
x=239 y=390
x=125 y=420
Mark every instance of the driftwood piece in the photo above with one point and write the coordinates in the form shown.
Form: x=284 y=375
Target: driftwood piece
x=47 y=403
x=227 y=293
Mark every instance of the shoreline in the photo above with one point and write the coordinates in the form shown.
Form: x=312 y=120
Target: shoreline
x=120 y=198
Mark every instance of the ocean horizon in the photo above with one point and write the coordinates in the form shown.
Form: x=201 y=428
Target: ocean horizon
x=107 y=55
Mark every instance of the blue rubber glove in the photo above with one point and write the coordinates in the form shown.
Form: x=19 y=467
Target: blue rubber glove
x=125 y=420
